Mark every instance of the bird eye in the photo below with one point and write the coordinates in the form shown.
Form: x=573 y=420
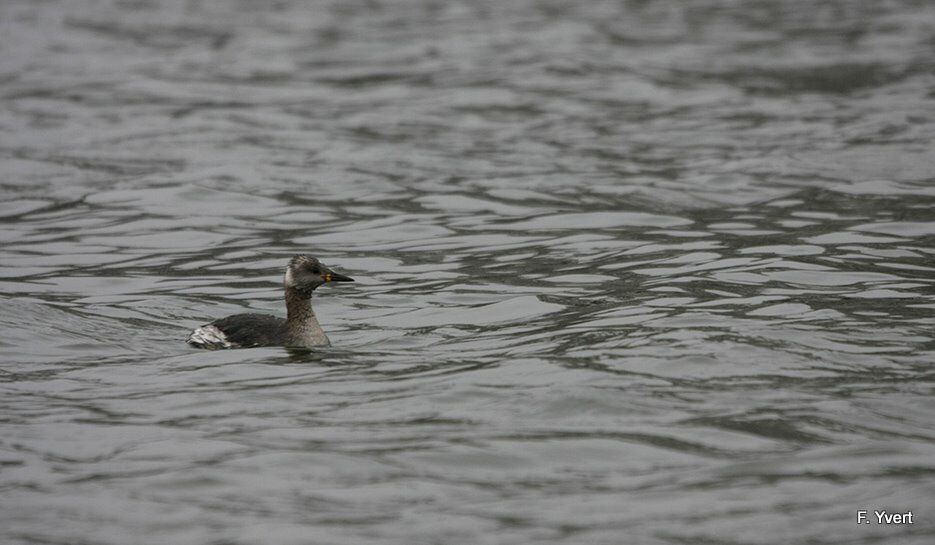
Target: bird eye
x=316 y=270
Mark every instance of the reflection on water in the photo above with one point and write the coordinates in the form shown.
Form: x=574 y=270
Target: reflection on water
x=627 y=271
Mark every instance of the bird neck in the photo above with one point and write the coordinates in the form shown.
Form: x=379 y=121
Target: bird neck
x=299 y=306
x=302 y=327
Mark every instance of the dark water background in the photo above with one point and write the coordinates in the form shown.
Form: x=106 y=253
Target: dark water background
x=649 y=272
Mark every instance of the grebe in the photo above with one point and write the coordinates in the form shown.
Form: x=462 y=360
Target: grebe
x=300 y=328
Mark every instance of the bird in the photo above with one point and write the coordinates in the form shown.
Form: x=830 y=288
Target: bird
x=300 y=328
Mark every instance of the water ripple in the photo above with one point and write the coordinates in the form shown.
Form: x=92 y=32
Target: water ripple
x=633 y=269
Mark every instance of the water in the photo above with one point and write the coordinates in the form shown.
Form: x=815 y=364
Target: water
x=627 y=272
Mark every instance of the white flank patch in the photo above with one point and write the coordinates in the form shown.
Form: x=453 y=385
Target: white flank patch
x=208 y=336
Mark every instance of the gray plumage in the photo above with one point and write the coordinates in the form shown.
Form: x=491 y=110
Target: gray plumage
x=300 y=328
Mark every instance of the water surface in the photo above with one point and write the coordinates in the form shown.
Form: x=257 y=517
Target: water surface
x=627 y=272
